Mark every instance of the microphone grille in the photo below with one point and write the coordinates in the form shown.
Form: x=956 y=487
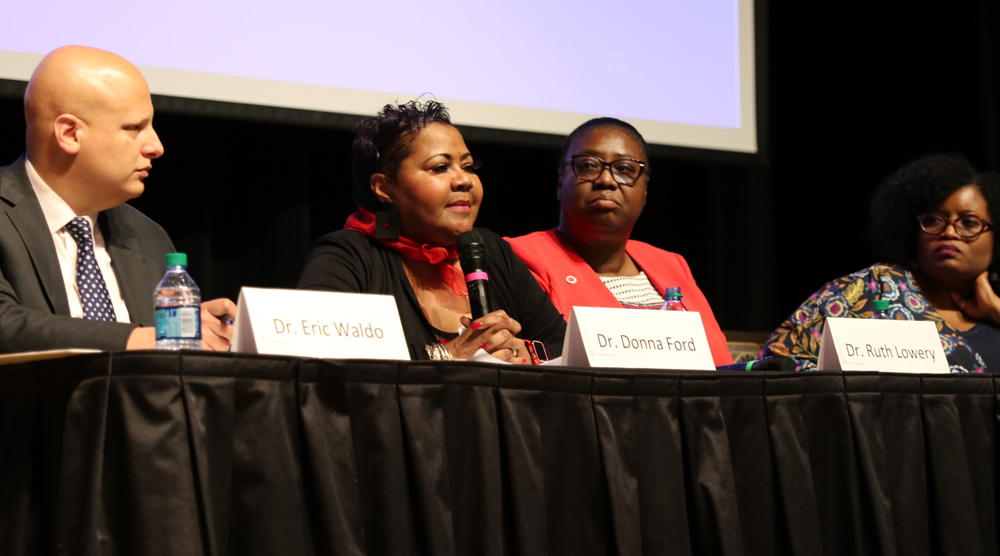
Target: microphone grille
x=467 y=239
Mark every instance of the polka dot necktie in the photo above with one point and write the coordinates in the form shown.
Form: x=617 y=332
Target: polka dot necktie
x=93 y=293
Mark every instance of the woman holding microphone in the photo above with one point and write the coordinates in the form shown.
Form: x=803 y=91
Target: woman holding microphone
x=417 y=189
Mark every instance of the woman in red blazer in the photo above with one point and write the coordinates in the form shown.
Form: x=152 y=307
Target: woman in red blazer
x=589 y=259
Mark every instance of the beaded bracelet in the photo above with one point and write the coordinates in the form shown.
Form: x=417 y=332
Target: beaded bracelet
x=437 y=352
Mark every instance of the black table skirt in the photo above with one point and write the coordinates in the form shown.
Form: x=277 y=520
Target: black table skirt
x=162 y=453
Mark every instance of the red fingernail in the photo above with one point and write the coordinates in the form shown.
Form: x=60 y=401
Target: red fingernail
x=483 y=347
x=476 y=326
x=524 y=360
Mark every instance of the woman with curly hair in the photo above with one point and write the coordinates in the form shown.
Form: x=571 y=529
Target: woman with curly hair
x=931 y=223
x=416 y=186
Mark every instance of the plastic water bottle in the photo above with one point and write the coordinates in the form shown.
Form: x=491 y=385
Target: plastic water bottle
x=881 y=310
x=177 y=304
x=673 y=300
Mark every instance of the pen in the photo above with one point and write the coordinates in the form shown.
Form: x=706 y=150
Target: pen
x=226 y=319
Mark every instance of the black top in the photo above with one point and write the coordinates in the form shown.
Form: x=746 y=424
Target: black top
x=985 y=340
x=350 y=261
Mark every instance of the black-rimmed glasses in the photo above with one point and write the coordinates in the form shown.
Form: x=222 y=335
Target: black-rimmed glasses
x=968 y=226
x=625 y=171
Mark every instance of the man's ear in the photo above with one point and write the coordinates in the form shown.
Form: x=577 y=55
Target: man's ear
x=559 y=185
x=380 y=187
x=68 y=132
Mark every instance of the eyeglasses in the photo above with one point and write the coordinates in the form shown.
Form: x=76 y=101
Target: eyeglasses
x=968 y=226
x=625 y=171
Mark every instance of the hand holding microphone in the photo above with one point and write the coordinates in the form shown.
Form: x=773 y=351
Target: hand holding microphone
x=494 y=334
x=489 y=330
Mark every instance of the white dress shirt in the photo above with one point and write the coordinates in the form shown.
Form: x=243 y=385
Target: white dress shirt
x=57 y=215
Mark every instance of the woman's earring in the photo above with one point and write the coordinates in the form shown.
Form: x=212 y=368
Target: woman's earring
x=386 y=225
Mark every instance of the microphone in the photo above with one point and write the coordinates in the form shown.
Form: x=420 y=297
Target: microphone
x=472 y=257
x=769 y=363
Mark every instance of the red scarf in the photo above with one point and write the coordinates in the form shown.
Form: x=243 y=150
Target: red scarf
x=441 y=257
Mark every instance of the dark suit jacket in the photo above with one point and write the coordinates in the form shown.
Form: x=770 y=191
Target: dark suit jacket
x=34 y=310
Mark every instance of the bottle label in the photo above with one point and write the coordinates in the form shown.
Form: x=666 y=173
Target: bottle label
x=178 y=323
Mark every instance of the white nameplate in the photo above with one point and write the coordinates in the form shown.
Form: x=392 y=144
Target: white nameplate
x=896 y=346
x=331 y=325
x=636 y=338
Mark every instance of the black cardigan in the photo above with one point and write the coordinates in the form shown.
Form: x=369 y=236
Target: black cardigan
x=350 y=261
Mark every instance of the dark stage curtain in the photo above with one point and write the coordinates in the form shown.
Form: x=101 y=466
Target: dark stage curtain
x=164 y=453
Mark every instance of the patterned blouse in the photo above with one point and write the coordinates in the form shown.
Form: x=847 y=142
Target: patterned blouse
x=851 y=296
x=634 y=292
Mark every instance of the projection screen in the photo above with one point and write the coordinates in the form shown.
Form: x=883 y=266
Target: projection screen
x=682 y=71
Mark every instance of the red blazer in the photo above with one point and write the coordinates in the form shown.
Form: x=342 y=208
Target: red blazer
x=570 y=281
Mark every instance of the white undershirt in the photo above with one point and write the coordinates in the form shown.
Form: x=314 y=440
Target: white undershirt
x=57 y=215
x=636 y=292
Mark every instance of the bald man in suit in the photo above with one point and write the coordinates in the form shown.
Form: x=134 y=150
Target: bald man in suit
x=90 y=145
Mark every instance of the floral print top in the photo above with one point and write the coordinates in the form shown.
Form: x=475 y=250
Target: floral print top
x=852 y=296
